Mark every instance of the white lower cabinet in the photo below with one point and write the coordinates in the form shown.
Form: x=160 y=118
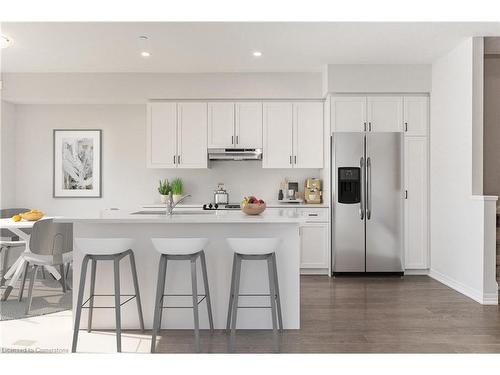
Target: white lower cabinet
x=314 y=249
x=416 y=229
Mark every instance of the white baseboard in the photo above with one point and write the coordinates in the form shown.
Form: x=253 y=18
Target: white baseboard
x=417 y=272
x=476 y=295
x=314 y=271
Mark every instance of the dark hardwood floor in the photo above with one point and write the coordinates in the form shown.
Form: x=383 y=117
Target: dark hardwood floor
x=414 y=314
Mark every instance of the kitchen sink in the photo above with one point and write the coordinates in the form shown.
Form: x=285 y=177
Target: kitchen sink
x=180 y=212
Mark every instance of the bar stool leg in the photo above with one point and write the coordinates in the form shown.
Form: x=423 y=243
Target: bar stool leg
x=23 y=283
x=195 y=303
x=236 y=292
x=231 y=295
x=117 y=306
x=207 y=290
x=93 y=268
x=276 y=286
x=136 y=287
x=272 y=292
x=79 y=302
x=160 y=287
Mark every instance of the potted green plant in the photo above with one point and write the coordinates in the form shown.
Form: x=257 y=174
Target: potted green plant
x=164 y=189
x=176 y=187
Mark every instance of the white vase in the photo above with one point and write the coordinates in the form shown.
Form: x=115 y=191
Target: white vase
x=176 y=198
x=163 y=198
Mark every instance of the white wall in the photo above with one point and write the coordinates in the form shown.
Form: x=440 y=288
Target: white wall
x=456 y=221
x=120 y=88
x=8 y=154
x=126 y=181
x=492 y=124
x=379 y=78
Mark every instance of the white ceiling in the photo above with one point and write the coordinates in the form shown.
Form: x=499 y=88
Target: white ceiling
x=226 y=47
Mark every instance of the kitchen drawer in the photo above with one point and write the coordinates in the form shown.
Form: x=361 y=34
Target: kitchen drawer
x=315 y=214
x=320 y=214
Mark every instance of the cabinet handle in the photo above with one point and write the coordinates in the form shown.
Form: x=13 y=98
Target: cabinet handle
x=406 y=126
x=369 y=126
x=406 y=194
x=232 y=139
x=295 y=159
x=364 y=127
x=178 y=159
x=237 y=141
x=290 y=159
x=174 y=159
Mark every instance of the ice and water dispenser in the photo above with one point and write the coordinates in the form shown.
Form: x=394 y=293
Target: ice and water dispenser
x=349 y=189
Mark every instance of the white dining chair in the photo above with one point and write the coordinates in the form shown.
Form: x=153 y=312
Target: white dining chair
x=51 y=244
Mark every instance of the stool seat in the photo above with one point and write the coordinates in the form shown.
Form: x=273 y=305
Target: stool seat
x=253 y=246
x=103 y=246
x=179 y=245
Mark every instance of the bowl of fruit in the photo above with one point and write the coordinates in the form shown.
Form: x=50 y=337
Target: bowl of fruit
x=32 y=215
x=252 y=206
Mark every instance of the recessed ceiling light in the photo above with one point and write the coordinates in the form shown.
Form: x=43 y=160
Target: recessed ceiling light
x=257 y=53
x=5 y=41
x=143 y=37
x=145 y=54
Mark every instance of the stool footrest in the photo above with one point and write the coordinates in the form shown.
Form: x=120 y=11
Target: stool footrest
x=254 y=307
x=181 y=295
x=132 y=296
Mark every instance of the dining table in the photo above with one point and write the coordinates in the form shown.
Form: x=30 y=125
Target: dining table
x=16 y=270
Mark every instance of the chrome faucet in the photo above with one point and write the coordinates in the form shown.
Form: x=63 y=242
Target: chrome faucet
x=170 y=203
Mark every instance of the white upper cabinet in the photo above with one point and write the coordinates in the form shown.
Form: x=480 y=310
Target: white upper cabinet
x=416 y=115
x=192 y=135
x=308 y=135
x=248 y=127
x=348 y=113
x=416 y=203
x=293 y=135
x=277 y=138
x=221 y=125
x=385 y=113
x=161 y=135
x=235 y=125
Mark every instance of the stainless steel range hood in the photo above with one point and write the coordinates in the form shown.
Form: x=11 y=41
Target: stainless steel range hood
x=234 y=154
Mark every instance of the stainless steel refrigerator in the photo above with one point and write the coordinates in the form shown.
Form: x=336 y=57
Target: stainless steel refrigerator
x=367 y=208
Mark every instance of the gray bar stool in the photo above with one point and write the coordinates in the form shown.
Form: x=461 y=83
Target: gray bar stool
x=114 y=249
x=181 y=249
x=254 y=249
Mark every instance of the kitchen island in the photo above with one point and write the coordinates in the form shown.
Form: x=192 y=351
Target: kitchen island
x=214 y=225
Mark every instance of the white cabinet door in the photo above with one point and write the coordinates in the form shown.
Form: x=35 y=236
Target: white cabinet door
x=221 y=125
x=277 y=137
x=416 y=203
x=161 y=144
x=314 y=252
x=416 y=115
x=308 y=135
x=248 y=125
x=348 y=113
x=385 y=113
x=192 y=135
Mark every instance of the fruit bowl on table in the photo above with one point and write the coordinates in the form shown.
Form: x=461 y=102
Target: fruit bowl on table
x=253 y=208
x=32 y=216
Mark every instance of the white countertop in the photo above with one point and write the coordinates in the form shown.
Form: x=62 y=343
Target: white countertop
x=269 y=205
x=203 y=217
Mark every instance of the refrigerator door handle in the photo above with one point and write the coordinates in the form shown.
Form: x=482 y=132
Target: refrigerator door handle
x=362 y=202
x=369 y=188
